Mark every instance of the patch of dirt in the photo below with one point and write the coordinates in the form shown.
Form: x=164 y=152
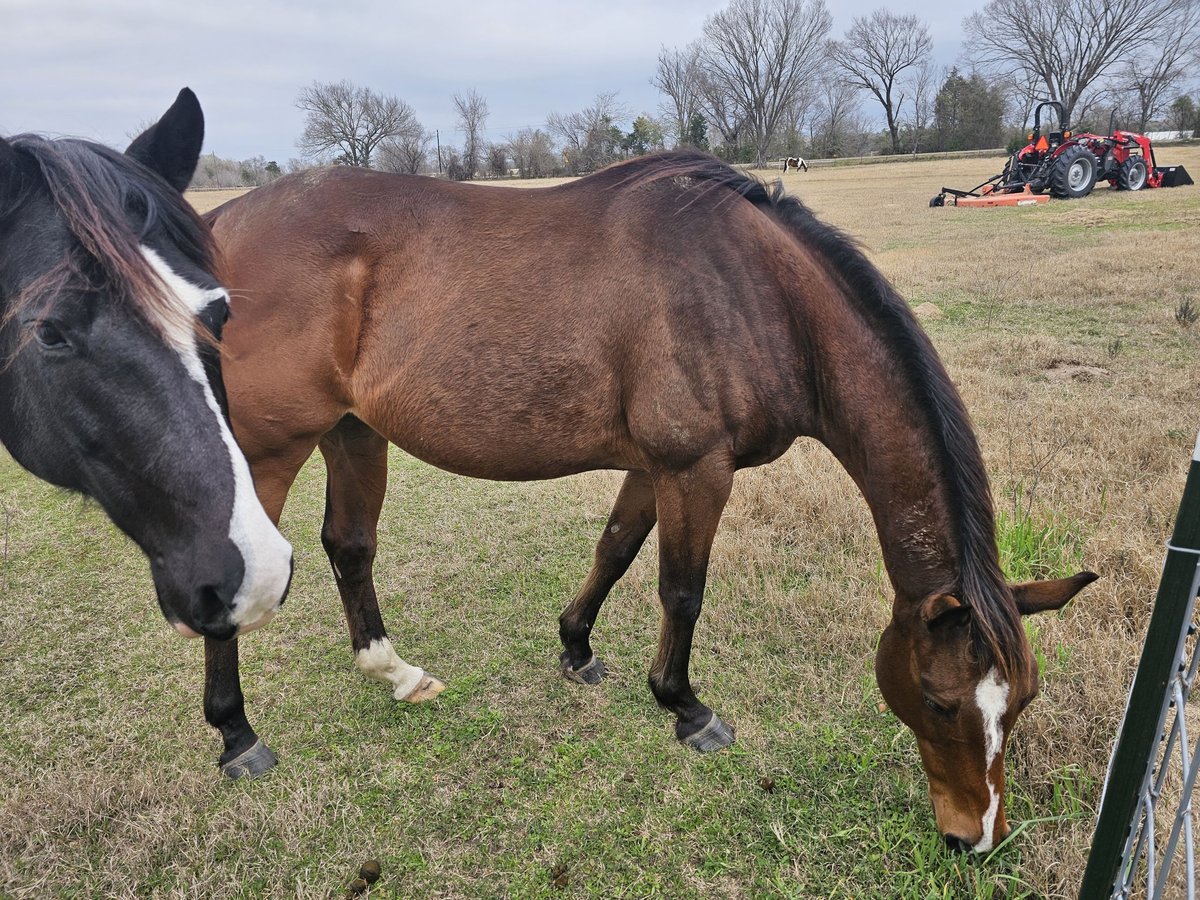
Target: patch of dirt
x=928 y=311
x=1071 y=370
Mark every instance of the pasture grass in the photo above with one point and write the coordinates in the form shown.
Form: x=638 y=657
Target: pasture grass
x=518 y=784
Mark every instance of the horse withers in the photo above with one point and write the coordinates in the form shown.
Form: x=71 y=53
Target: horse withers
x=110 y=370
x=669 y=317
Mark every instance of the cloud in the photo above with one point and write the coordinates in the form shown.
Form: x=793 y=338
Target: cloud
x=102 y=69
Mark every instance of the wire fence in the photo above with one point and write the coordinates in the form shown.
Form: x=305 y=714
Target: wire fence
x=1146 y=827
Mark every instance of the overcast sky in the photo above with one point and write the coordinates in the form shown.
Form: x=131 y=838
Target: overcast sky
x=99 y=68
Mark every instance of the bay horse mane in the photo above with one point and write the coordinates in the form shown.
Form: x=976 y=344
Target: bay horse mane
x=995 y=621
x=110 y=202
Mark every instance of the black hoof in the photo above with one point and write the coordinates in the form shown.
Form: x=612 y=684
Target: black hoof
x=591 y=672
x=715 y=735
x=258 y=760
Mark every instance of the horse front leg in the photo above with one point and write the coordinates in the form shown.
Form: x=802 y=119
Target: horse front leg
x=689 y=503
x=224 y=705
x=632 y=517
x=225 y=710
x=356 y=466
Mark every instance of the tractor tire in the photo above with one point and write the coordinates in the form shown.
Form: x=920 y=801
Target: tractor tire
x=1074 y=173
x=1132 y=175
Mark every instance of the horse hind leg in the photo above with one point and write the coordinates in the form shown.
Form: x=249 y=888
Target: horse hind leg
x=690 y=504
x=356 y=466
x=633 y=516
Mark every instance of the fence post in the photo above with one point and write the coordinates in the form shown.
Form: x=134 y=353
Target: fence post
x=1137 y=745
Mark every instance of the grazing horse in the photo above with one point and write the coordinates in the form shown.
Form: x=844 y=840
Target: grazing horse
x=668 y=317
x=110 y=374
x=794 y=162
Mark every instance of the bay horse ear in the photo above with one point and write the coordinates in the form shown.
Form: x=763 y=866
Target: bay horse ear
x=944 y=609
x=171 y=146
x=1042 y=596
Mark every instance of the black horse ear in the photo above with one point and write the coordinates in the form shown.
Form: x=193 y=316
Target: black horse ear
x=12 y=175
x=171 y=146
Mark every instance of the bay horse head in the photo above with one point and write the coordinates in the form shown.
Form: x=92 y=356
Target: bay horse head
x=960 y=686
x=110 y=370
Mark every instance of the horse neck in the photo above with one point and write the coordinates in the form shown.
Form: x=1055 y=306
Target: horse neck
x=868 y=414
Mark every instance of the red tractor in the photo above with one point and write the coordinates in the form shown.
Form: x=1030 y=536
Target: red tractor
x=1068 y=165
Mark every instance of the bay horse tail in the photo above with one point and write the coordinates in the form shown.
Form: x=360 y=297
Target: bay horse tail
x=996 y=624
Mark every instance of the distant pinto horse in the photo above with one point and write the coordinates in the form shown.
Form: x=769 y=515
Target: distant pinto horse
x=669 y=317
x=110 y=371
x=794 y=162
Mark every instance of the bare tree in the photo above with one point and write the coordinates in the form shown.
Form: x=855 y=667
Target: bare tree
x=877 y=49
x=407 y=153
x=472 y=114
x=350 y=122
x=590 y=137
x=722 y=110
x=835 y=126
x=1150 y=75
x=1067 y=46
x=532 y=152
x=678 y=77
x=497 y=160
x=756 y=56
x=923 y=81
x=1026 y=91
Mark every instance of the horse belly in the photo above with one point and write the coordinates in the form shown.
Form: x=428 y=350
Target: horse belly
x=513 y=428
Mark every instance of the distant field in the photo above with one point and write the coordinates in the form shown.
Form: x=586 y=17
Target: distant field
x=1057 y=323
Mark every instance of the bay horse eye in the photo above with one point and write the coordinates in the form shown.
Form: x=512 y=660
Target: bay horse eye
x=49 y=337
x=937 y=707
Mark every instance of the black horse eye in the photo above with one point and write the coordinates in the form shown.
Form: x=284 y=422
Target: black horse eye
x=49 y=336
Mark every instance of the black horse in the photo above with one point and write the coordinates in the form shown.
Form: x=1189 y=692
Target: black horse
x=110 y=370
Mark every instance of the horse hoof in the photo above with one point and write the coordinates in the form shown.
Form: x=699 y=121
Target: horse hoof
x=716 y=735
x=427 y=688
x=258 y=760
x=591 y=672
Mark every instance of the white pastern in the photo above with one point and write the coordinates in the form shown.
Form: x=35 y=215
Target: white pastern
x=991 y=696
x=380 y=662
x=266 y=555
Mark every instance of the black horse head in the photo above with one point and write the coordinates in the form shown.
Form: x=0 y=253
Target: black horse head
x=110 y=371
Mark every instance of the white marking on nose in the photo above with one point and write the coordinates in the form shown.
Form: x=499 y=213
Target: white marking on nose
x=380 y=661
x=991 y=696
x=266 y=556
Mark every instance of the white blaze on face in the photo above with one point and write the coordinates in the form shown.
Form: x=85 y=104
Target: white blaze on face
x=991 y=696
x=267 y=557
x=380 y=661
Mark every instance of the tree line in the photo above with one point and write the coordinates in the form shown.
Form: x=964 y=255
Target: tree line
x=765 y=79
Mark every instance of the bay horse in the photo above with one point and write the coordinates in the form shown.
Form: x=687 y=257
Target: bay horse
x=794 y=162
x=669 y=317
x=110 y=375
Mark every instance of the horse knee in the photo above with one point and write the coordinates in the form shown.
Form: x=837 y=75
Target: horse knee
x=351 y=552
x=682 y=605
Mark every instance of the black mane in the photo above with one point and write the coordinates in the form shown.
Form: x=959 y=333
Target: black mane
x=996 y=622
x=111 y=203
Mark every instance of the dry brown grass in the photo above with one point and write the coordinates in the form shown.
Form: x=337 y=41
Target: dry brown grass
x=109 y=788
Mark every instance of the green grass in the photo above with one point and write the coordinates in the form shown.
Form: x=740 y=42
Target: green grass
x=512 y=779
